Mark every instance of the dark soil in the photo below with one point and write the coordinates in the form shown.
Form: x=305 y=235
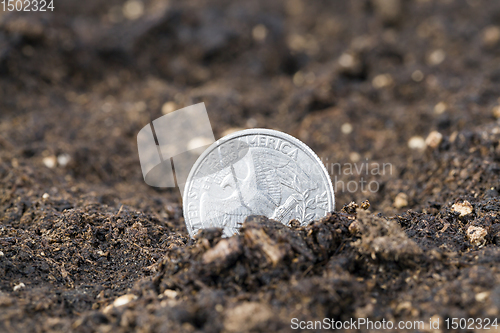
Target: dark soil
x=77 y=85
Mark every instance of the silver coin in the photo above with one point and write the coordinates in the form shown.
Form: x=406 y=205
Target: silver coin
x=256 y=172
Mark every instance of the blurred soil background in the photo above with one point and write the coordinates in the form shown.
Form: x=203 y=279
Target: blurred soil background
x=86 y=245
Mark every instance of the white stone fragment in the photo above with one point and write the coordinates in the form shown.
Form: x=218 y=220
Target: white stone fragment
x=436 y=57
x=434 y=139
x=440 y=108
x=401 y=200
x=133 y=9
x=382 y=81
x=476 y=235
x=481 y=297
x=19 y=286
x=63 y=159
x=463 y=208
x=168 y=107
x=49 y=161
x=346 y=128
x=416 y=142
x=123 y=300
x=169 y=293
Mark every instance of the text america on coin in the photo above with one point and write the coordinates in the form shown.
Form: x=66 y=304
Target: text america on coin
x=256 y=172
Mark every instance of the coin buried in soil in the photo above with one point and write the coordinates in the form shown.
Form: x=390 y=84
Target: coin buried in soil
x=256 y=172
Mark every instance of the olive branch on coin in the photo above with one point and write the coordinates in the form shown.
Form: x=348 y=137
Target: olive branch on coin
x=304 y=203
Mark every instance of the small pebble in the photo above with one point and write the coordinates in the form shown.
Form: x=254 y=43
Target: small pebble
x=251 y=122
x=382 y=81
x=259 y=32
x=351 y=63
x=436 y=57
x=346 y=60
x=45 y=196
x=463 y=208
x=170 y=293
x=355 y=157
x=491 y=36
x=434 y=139
x=107 y=107
x=476 y=235
x=350 y=208
x=354 y=227
x=123 y=300
x=389 y=11
x=168 y=107
x=496 y=112
x=401 y=200
x=298 y=79
x=365 y=205
x=63 y=159
x=49 y=161
x=416 y=142
x=453 y=136
x=108 y=308
x=19 y=286
x=481 y=297
x=133 y=9
x=346 y=128
x=222 y=251
x=440 y=108
x=417 y=76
